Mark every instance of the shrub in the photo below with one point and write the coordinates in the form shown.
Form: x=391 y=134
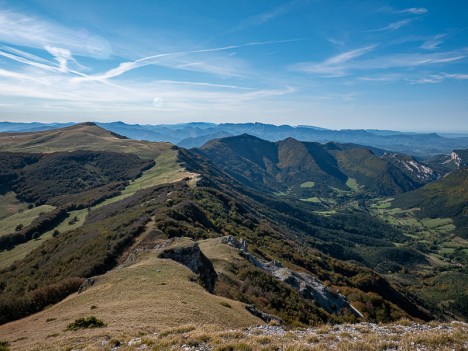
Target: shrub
x=4 y=345
x=85 y=323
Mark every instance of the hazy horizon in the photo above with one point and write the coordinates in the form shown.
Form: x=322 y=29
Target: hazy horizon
x=460 y=133
x=388 y=65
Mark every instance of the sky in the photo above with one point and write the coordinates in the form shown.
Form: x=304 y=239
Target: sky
x=400 y=65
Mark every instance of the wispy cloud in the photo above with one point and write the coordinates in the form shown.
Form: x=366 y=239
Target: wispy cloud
x=335 y=41
x=29 y=31
x=17 y=76
x=347 y=97
x=394 y=25
x=63 y=56
x=48 y=85
x=349 y=55
x=27 y=58
x=346 y=63
x=269 y=15
x=381 y=78
x=438 y=78
x=410 y=10
x=162 y=59
x=335 y=65
x=414 y=10
x=49 y=66
x=434 y=42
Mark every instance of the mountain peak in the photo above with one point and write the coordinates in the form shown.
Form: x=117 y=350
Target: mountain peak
x=90 y=124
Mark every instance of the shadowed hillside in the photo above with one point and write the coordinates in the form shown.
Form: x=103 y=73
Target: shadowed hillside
x=306 y=169
x=340 y=250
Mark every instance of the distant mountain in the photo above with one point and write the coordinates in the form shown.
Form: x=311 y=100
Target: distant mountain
x=201 y=140
x=306 y=168
x=447 y=163
x=196 y=134
x=30 y=127
x=84 y=235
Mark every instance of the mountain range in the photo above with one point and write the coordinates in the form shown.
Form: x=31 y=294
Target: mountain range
x=137 y=233
x=196 y=134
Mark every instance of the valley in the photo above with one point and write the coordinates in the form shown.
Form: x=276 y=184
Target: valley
x=353 y=222
x=270 y=175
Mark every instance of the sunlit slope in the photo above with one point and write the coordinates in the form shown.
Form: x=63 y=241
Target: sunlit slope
x=146 y=297
x=305 y=169
x=83 y=136
x=446 y=197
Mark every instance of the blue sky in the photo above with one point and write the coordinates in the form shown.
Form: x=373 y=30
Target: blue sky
x=338 y=64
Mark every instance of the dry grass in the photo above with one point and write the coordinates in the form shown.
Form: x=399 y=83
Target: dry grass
x=9 y=205
x=151 y=296
x=378 y=338
x=153 y=304
x=223 y=257
x=442 y=337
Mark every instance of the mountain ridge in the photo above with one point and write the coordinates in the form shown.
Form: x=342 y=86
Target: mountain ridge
x=196 y=133
x=291 y=163
x=193 y=197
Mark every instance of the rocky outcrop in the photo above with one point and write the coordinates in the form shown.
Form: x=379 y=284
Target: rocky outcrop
x=311 y=288
x=307 y=285
x=262 y=315
x=188 y=253
x=86 y=285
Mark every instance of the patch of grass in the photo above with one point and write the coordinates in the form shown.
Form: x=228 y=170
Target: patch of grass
x=225 y=304
x=7 y=258
x=308 y=185
x=383 y=204
x=178 y=330
x=20 y=251
x=438 y=223
x=85 y=323
x=326 y=213
x=314 y=199
x=446 y=250
x=280 y=193
x=9 y=205
x=4 y=345
x=24 y=218
x=166 y=170
x=352 y=184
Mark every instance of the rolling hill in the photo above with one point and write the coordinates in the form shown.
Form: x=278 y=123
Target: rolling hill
x=163 y=230
x=446 y=197
x=306 y=168
x=198 y=133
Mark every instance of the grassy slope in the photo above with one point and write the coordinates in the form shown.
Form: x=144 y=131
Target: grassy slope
x=146 y=297
x=8 y=224
x=9 y=205
x=446 y=197
x=228 y=226
x=89 y=137
x=285 y=165
x=20 y=251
